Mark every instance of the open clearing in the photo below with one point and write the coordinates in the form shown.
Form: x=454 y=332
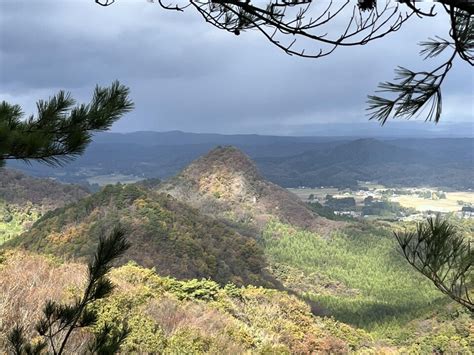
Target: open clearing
x=449 y=204
x=319 y=193
x=103 y=180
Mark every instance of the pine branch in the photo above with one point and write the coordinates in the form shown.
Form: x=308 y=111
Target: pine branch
x=413 y=94
x=59 y=321
x=60 y=131
x=443 y=256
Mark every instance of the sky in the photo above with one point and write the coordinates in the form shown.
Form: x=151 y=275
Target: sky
x=187 y=75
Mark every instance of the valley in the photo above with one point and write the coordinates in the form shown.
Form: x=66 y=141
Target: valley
x=223 y=260
x=236 y=177
x=401 y=203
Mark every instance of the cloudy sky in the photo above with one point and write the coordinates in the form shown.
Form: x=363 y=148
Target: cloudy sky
x=186 y=75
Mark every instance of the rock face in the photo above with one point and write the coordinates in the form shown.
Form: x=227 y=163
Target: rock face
x=227 y=184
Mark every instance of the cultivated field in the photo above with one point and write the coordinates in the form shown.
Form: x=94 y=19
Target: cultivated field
x=103 y=180
x=320 y=193
x=452 y=203
x=449 y=204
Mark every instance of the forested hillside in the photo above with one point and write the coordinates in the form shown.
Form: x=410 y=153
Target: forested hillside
x=18 y=188
x=166 y=234
x=239 y=265
x=359 y=277
x=226 y=183
x=23 y=199
x=439 y=163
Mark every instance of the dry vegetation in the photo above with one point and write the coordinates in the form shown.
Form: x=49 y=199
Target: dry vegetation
x=166 y=234
x=226 y=183
x=27 y=281
x=170 y=316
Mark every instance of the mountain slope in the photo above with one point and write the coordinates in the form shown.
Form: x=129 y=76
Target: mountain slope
x=387 y=162
x=169 y=316
x=18 y=188
x=226 y=183
x=286 y=161
x=23 y=199
x=166 y=234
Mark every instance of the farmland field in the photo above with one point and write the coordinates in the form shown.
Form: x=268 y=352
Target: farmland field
x=449 y=204
x=320 y=193
x=452 y=203
x=103 y=180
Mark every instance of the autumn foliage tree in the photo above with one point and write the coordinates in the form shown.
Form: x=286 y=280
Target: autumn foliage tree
x=60 y=321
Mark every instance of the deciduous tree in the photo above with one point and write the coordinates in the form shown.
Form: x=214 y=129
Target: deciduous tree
x=60 y=321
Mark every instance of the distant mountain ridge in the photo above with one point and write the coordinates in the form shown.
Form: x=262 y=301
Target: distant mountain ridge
x=286 y=161
x=150 y=138
x=357 y=152
x=386 y=162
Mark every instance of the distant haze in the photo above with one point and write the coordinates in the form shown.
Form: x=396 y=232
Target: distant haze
x=370 y=129
x=289 y=161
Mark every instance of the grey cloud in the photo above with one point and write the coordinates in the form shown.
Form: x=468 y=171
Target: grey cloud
x=187 y=75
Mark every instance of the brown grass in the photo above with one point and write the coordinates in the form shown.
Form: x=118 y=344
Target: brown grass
x=26 y=282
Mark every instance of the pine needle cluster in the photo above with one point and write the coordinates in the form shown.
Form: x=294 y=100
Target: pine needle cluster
x=445 y=257
x=59 y=321
x=61 y=130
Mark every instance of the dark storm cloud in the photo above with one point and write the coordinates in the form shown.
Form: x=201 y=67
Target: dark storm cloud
x=187 y=75
x=77 y=44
